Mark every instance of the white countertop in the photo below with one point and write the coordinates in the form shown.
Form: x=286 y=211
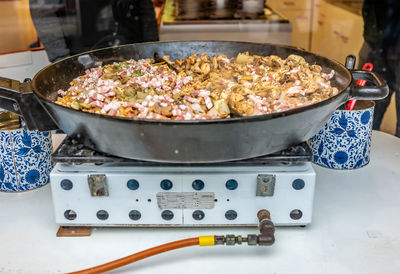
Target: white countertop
x=355 y=229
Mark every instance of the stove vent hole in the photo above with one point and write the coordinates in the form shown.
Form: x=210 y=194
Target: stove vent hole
x=70 y=214
x=231 y=184
x=167 y=215
x=135 y=215
x=231 y=215
x=66 y=184
x=166 y=184
x=198 y=215
x=198 y=185
x=296 y=214
x=298 y=184
x=102 y=215
x=132 y=184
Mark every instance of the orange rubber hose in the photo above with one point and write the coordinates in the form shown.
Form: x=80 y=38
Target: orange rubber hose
x=139 y=256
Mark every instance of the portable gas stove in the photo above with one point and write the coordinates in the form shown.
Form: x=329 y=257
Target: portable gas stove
x=94 y=189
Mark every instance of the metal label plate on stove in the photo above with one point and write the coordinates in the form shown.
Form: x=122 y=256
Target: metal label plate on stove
x=185 y=200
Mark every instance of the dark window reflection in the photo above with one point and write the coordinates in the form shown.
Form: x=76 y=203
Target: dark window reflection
x=382 y=49
x=67 y=27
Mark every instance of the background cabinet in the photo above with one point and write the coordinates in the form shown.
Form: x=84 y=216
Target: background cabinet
x=299 y=13
x=336 y=32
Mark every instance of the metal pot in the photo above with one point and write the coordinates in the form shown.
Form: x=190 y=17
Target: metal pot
x=180 y=141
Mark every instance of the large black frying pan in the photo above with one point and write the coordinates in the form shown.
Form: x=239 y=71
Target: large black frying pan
x=180 y=141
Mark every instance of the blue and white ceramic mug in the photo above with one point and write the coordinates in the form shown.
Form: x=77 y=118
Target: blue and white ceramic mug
x=25 y=159
x=345 y=140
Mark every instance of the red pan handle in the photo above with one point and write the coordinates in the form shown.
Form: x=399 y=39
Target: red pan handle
x=352 y=103
x=368 y=67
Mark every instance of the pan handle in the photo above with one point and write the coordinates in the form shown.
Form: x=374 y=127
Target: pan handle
x=379 y=91
x=18 y=98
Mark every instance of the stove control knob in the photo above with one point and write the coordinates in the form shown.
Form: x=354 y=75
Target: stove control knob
x=132 y=184
x=66 y=184
x=167 y=215
x=231 y=184
x=198 y=215
x=166 y=184
x=198 y=184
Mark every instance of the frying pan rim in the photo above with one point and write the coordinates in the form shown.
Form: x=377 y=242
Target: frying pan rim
x=254 y=118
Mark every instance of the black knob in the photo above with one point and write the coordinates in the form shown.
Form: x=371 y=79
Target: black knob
x=66 y=184
x=102 y=215
x=132 y=184
x=135 y=215
x=198 y=184
x=198 y=215
x=166 y=184
x=231 y=184
x=167 y=215
x=231 y=215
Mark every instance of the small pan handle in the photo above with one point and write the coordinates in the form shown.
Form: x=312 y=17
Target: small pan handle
x=379 y=91
x=18 y=98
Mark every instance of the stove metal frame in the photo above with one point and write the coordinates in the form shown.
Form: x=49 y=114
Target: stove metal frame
x=91 y=189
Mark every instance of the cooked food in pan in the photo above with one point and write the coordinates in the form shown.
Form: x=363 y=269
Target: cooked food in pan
x=199 y=87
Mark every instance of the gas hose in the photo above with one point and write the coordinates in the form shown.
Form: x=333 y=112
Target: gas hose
x=201 y=241
x=266 y=237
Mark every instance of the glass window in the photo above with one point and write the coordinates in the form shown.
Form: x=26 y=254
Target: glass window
x=369 y=29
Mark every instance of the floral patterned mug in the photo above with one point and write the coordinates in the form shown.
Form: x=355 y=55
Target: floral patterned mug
x=25 y=159
x=345 y=140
